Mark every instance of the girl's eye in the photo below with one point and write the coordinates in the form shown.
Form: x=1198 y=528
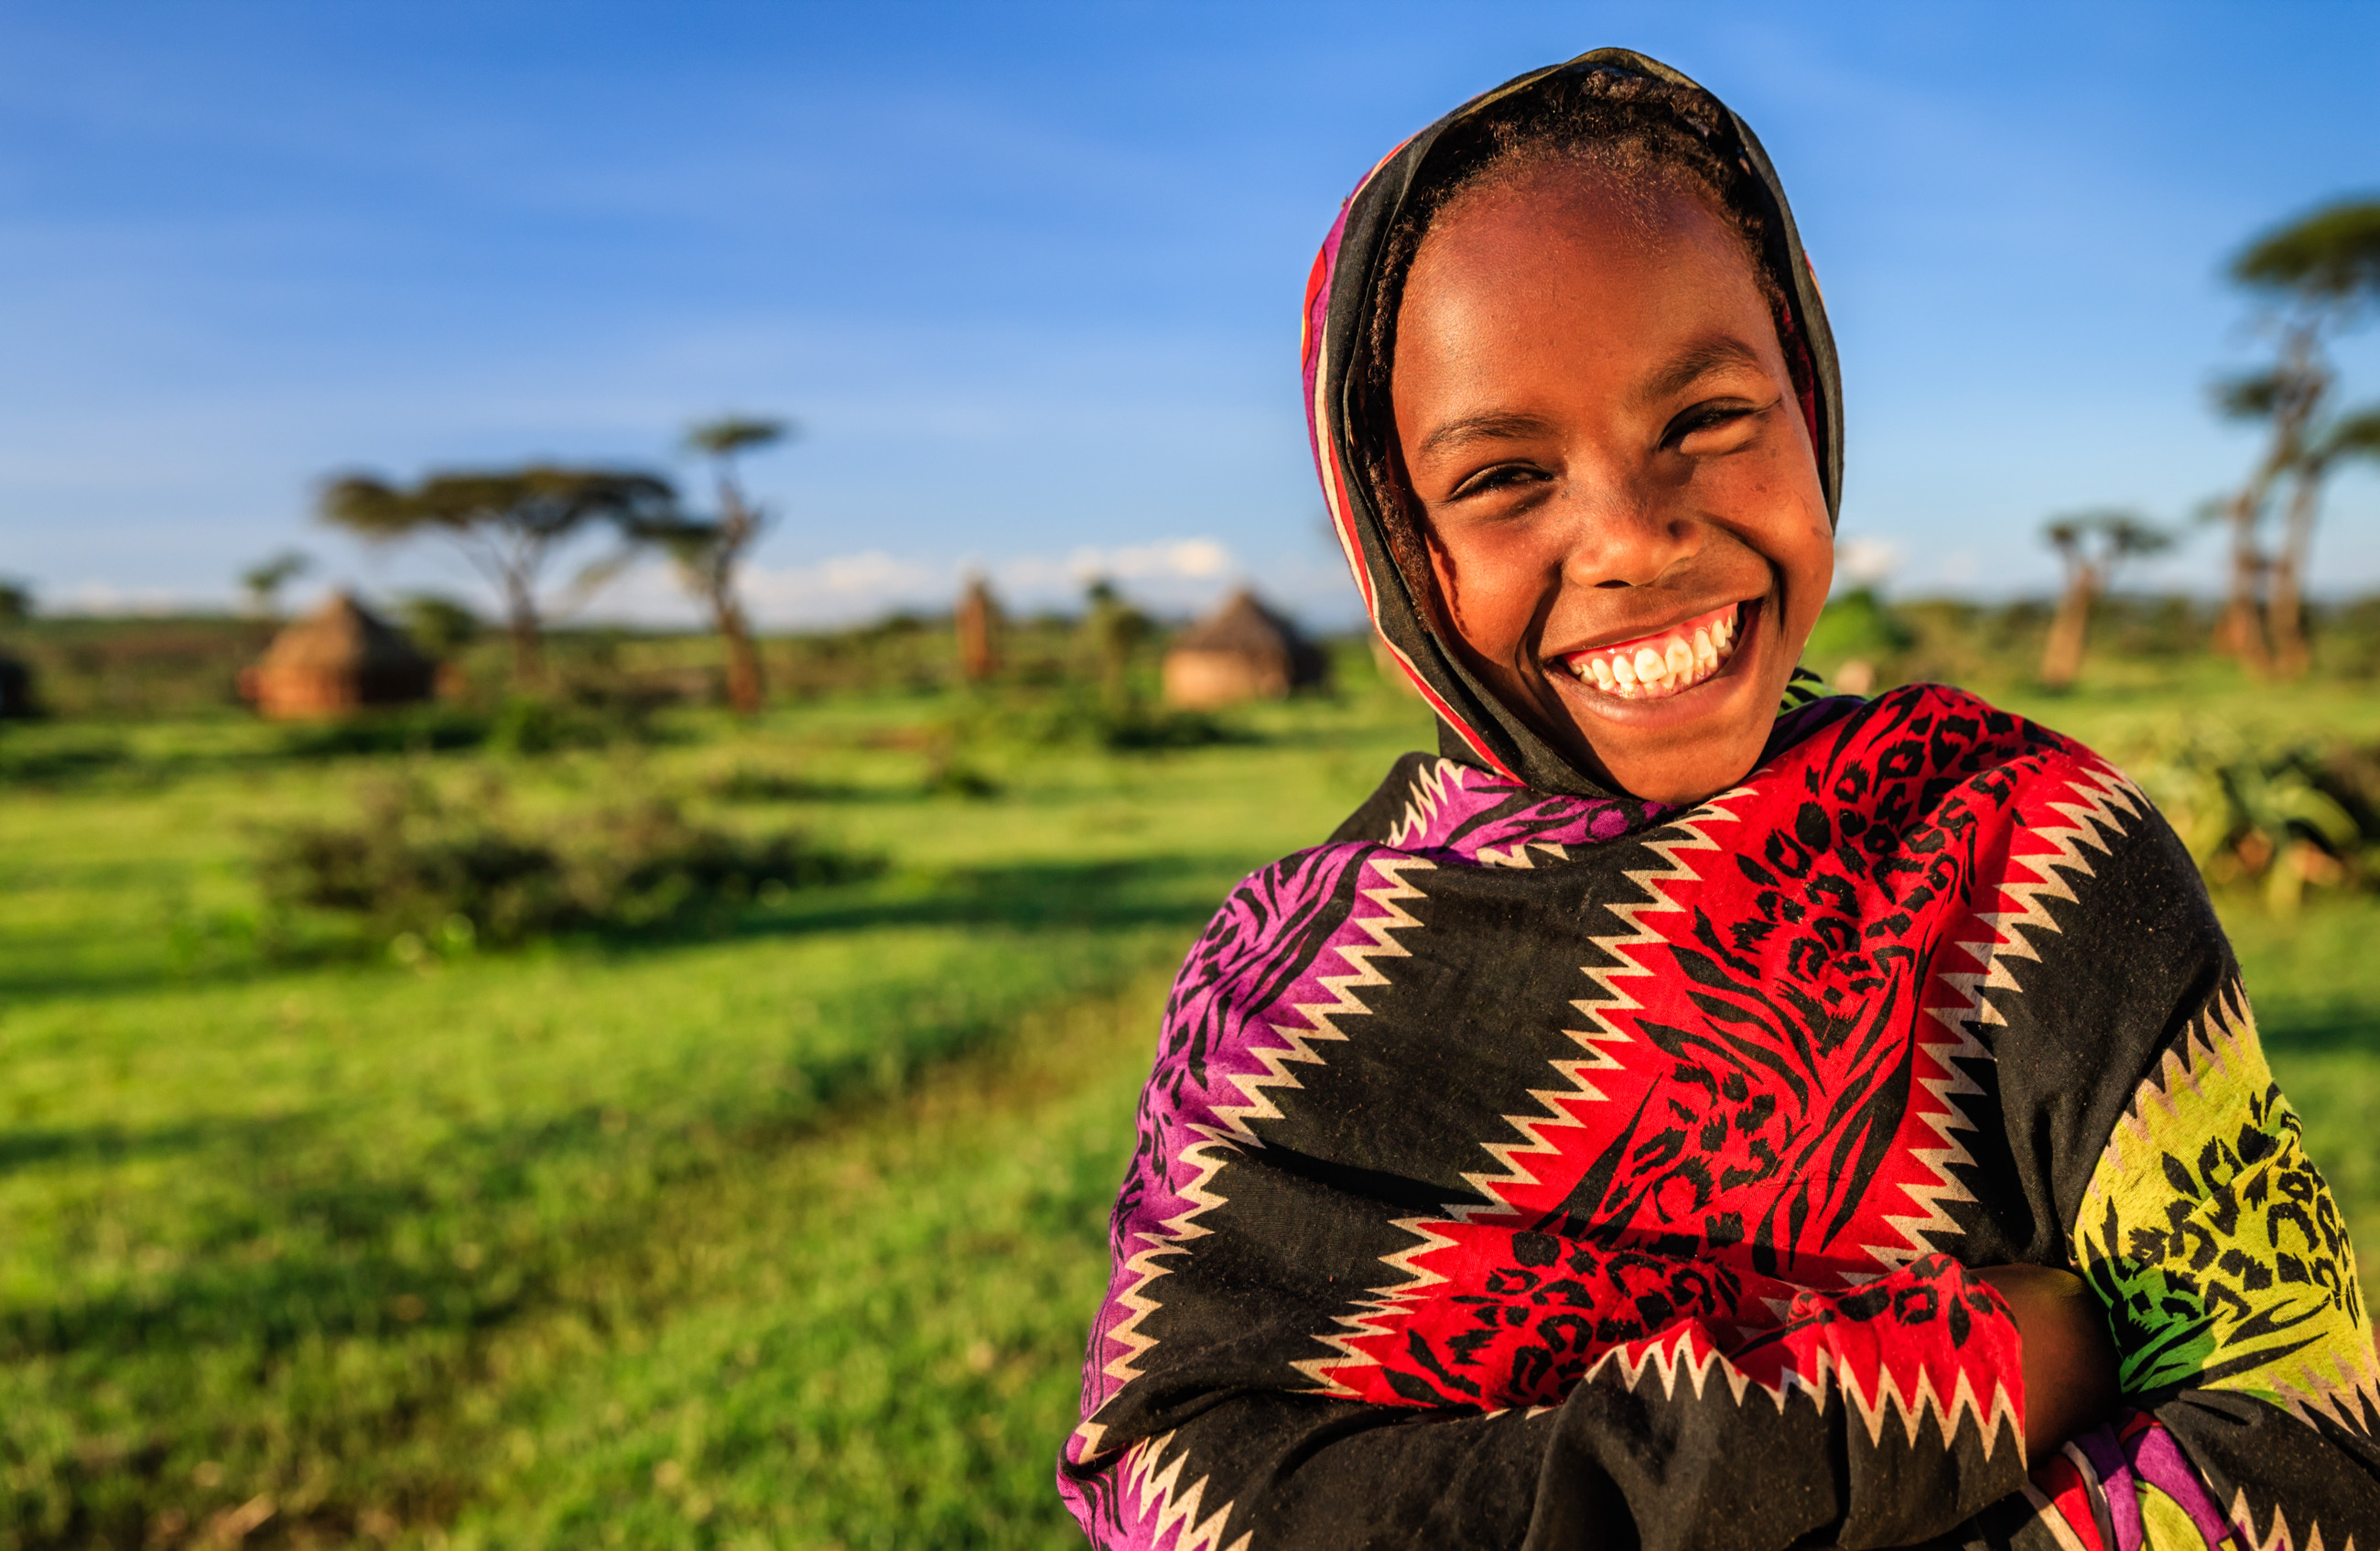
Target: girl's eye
x=1502 y=477
x=1705 y=417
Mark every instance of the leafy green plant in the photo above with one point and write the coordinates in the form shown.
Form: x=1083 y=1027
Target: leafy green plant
x=2282 y=817
x=407 y=729
x=763 y=783
x=428 y=875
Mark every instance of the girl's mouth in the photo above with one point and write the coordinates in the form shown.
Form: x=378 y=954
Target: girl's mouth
x=1667 y=663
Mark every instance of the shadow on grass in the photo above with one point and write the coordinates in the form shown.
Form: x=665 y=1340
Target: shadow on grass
x=1144 y=891
x=1174 y=890
x=24 y=1147
x=319 y=1247
x=408 y=1293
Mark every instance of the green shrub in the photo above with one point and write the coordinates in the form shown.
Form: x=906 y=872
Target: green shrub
x=535 y=725
x=411 y=729
x=761 y=783
x=2283 y=817
x=1138 y=728
x=1077 y=716
x=1857 y=625
x=425 y=874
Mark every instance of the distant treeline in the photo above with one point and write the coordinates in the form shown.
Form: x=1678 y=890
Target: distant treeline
x=116 y=667
x=1983 y=645
x=134 y=668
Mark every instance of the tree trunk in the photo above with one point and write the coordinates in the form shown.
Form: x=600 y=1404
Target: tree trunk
x=528 y=656
x=746 y=689
x=2240 y=633
x=2061 y=659
x=2303 y=379
x=2285 y=599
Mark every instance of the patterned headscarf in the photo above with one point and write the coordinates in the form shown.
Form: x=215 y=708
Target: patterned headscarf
x=1339 y=296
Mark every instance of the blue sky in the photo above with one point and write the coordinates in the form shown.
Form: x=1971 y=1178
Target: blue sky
x=1027 y=274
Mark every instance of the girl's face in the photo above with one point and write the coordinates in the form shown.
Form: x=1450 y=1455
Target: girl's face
x=1618 y=494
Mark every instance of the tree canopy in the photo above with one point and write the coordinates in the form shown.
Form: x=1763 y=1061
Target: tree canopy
x=730 y=434
x=2329 y=258
x=2119 y=535
x=508 y=522
x=543 y=503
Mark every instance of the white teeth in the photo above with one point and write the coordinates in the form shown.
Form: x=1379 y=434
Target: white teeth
x=1669 y=664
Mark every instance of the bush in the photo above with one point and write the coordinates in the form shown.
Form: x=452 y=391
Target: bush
x=759 y=783
x=1857 y=626
x=411 y=729
x=423 y=873
x=535 y=725
x=1136 y=728
x=1078 y=716
x=2283 y=817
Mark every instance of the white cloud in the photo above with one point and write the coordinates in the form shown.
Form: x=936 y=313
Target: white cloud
x=1172 y=575
x=102 y=598
x=1866 y=562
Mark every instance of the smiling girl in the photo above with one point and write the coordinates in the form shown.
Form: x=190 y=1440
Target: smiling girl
x=1691 y=1110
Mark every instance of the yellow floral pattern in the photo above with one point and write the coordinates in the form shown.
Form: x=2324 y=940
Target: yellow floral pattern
x=2213 y=1241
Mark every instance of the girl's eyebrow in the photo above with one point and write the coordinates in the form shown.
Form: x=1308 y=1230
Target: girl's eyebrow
x=1490 y=426
x=1697 y=361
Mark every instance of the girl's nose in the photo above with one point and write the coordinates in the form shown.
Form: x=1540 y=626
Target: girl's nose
x=1626 y=537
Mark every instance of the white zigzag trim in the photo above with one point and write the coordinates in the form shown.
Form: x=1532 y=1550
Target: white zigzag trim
x=1654 y=882
x=1424 y=799
x=1363 y=1318
x=1517 y=853
x=1219 y=1145
x=2104 y=800
x=2279 y=1537
x=1177 y=1511
x=1672 y=1356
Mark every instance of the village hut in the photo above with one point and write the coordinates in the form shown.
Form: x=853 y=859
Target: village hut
x=978 y=622
x=1242 y=651
x=339 y=659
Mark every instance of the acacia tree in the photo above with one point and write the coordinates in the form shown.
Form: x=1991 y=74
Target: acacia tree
x=2349 y=436
x=2092 y=544
x=2315 y=279
x=709 y=551
x=265 y=580
x=507 y=523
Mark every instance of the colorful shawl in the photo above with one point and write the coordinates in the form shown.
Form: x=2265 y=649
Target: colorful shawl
x=1531 y=1165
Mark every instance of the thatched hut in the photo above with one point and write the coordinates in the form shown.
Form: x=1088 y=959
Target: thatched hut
x=1242 y=651
x=339 y=659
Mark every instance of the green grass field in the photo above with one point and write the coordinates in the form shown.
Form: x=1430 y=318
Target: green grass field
x=783 y=1233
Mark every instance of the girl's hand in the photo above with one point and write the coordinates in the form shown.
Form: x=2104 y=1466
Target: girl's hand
x=2070 y=1364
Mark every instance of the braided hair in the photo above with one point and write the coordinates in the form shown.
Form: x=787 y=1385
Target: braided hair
x=1637 y=129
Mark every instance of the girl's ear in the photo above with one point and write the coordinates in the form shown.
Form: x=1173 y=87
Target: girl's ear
x=1405 y=529
x=1442 y=601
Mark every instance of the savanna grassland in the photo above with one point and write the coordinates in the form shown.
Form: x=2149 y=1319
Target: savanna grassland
x=771 y=1222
